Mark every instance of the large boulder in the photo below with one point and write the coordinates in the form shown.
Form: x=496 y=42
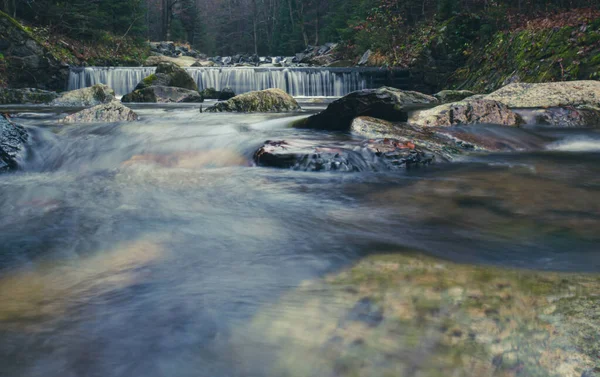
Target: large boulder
x=12 y=143
x=108 y=112
x=168 y=74
x=383 y=103
x=28 y=62
x=551 y=94
x=163 y=94
x=447 y=143
x=467 y=112
x=368 y=155
x=449 y=96
x=91 y=96
x=26 y=96
x=263 y=101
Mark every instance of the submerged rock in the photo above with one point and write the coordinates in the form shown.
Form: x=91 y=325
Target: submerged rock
x=12 y=143
x=169 y=74
x=407 y=312
x=92 y=96
x=369 y=155
x=448 y=96
x=263 y=101
x=467 y=112
x=163 y=94
x=383 y=103
x=551 y=94
x=109 y=112
x=26 y=96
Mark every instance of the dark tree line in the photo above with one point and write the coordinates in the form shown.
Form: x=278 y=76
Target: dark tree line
x=264 y=26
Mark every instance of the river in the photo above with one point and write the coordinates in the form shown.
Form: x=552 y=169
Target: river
x=134 y=249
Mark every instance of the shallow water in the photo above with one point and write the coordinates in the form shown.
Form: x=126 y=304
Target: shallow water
x=133 y=249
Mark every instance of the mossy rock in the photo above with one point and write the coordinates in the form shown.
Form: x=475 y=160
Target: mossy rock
x=390 y=314
x=264 y=101
x=448 y=96
x=163 y=94
x=26 y=96
x=210 y=93
x=168 y=74
x=91 y=96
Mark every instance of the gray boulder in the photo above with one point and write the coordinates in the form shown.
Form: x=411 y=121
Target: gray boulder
x=91 y=96
x=467 y=112
x=449 y=96
x=108 y=112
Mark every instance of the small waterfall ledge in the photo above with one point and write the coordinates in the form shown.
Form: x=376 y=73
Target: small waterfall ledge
x=299 y=82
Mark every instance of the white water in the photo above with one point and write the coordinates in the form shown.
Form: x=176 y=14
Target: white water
x=296 y=81
x=576 y=144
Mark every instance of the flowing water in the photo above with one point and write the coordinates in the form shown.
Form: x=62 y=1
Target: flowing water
x=308 y=82
x=135 y=249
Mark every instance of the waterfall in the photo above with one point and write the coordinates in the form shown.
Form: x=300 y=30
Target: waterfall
x=309 y=82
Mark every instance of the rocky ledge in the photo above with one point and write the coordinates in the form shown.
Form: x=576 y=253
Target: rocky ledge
x=13 y=139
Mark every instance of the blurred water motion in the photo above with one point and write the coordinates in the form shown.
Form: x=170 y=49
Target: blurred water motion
x=156 y=249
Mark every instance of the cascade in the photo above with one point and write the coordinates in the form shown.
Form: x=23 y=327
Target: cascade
x=310 y=82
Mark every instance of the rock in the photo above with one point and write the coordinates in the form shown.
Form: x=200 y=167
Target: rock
x=108 y=112
x=163 y=94
x=169 y=74
x=210 y=93
x=155 y=60
x=269 y=100
x=561 y=117
x=204 y=63
x=467 y=112
x=28 y=62
x=226 y=94
x=383 y=103
x=91 y=96
x=368 y=155
x=447 y=143
x=551 y=94
x=12 y=143
x=448 y=96
x=365 y=58
x=26 y=96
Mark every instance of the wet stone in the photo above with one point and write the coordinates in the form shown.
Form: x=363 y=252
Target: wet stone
x=368 y=155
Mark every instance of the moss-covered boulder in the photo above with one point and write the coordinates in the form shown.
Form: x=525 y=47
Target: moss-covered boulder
x=467 y=112
x=448 y=96
x=91 y=96
x=163 y=94
x=550 y=94
x=26 y=61
x=169 y=74
x=114 y=111
x=12 y=143
x=383 y=103
x=210 y=93
x=226 y=94
x=263 y=101
x=26 y=96
x=407 y=314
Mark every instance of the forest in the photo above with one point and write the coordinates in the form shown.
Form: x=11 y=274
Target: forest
x=274 y=27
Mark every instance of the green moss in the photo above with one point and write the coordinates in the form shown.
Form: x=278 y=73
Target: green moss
x=555 y=54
